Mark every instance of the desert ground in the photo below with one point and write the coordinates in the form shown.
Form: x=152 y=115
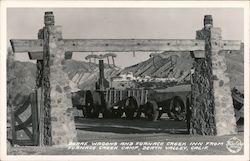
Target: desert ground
x=141 y=133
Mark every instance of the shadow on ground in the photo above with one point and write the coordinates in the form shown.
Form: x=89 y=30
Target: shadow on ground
x=124 y=126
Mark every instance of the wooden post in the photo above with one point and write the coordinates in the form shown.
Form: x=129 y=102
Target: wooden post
x=39 y=92
x=13 y=125
x=34 y=111
x=47 y=140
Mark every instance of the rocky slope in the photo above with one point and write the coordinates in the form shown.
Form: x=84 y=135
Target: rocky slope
x=20 y=83
x=235 y=67
x=177 y=67
x=83 y=75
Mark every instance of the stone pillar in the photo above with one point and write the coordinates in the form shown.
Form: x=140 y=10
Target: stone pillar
x=224 y=109
x=59 y=126
x=202 y=99
x=212 y=107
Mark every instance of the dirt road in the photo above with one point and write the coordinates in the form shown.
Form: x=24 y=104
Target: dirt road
x=136 y=137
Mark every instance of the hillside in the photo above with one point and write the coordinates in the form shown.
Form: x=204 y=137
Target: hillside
x=235 y=68
x=158 y=67
x=21 y=75
x=20 y=83
x=21 y=79
x=84 y=75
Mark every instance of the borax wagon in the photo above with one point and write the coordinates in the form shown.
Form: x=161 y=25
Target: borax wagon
x=113 y=103
x=133 y=102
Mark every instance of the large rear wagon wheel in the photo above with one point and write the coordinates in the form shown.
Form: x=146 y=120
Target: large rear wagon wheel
x=130 y=107
x=151 y=111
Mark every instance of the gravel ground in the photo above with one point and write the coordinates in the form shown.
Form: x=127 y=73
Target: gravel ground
x=136 y=137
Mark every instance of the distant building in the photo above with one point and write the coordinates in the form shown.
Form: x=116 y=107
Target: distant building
x=124 y=77
x=130 y=77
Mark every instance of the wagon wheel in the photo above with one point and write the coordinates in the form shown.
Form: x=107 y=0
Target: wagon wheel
x=118 y=112
x=151 y=111
x=177 y=109
x=130 y=107
x=90 y=110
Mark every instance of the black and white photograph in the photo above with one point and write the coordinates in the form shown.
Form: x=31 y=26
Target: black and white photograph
x=145 y=80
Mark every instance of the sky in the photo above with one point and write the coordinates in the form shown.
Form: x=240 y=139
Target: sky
x=124 y=23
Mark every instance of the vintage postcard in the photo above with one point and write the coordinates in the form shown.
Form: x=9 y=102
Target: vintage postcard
x=124 y=80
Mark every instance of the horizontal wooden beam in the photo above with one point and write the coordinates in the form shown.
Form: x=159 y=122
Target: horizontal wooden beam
x=127 y=45
x=27 y=45
x=35 y=47
x=36 y=55
x=112 y=45
x=39 y=55
x=231 y=44
x=199 y=54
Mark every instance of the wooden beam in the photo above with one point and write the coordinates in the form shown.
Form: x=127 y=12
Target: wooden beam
x=112 y=45
x=126 y=45
x=39 y=55
x=35 y=47
x=36 y=55
x=231 y=44
x=27 y=45
x=199 y=54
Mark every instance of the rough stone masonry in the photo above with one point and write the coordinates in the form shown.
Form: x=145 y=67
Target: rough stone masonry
x=212 y=106
x=58 y=119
